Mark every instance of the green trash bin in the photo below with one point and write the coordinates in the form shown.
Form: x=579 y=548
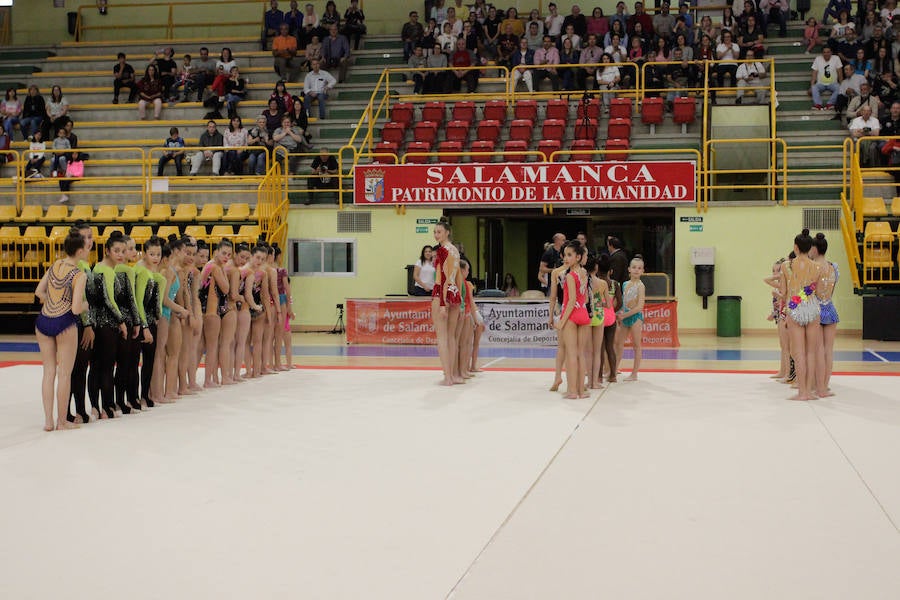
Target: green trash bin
x=728 y=316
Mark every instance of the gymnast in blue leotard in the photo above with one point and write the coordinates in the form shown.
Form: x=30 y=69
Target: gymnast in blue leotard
x=828 y=315
x=631 y=315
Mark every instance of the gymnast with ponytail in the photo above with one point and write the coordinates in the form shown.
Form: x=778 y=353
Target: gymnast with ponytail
x=828 y=316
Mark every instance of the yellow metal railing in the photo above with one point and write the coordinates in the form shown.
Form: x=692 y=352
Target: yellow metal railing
x=136 y=16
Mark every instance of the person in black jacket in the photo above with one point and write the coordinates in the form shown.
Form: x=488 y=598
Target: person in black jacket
x=618 y=260
x=33 y=111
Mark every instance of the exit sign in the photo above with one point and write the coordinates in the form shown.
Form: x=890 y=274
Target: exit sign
x=696 y=227
x=426 y=221
x=421 y=229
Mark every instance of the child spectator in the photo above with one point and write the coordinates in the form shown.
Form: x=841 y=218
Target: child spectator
x=175 y=143
x=281 y=94
x=36 y=156
x=185 y=75
x=60 y=143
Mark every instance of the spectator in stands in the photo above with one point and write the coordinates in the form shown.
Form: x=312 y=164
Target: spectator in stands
x=493 y=29
x=273 y=114
x=313 y=52
x=411 y=34
x=834 y=8
x=826 y=76
x=876 y=42
x=748 y=11
x=437 y=82
x=617 y=50
x=461 y=59
x=568 y=56
x=235 y=92
x=212 y=139
x=619 y=30
x=727 y=52
x=284 y=51
x=472 y=33
x=262 y=144
x=448 y=41
x=57 y=111
x=535 y=17
x=311 y=26
x=455 y=24
x=839 y=30
x=462 y=11
x=438 y=11
x=510 y=286
x=175 y=152
x=512 y=18
x=751 y=74
x=272 y=22
x=11 y=111
x=866 y=125
x=597 y=24
x=354 y=23
x=621 y=16
x=571 y=35
x=283 y=97
x=641 y=17
x=226 y=61
x=336 y=52
x=891 y=128
x=861 y=64
x=423 y=272
x=417 y=61
x=123 y=76
x=848 y=88
x=60 y=145
x=316 y=86
x=324 y=172
x=707 y=28
x=300 y=116
x=36 y=156
x=864 y=99
x=167 y=70
x=533 y=37
x=294 y=19
x=889 y=11
x=577 y=21
x=676 y=76
x=547 y=56
x=848 y=49
x=233 y=140
x=150 y=91
x=507 y=44
x=664 y=22
x=203 y=76
x=185 y=76
x=480 y=9
x=750 y=37
x=775 y=11
x=590 y=55
x=329 y=17
x=608 y=78
x=886 y=88
x=34 y=110
x=289 y=140
x=523 y=56
x=553 y=24
x=65 y=184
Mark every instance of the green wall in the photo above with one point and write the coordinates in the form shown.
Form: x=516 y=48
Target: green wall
x=748 y=240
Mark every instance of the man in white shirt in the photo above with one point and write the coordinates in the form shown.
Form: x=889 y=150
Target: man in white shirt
x=751 y=74
x=826 y=76
x=553 y=22
x=866 y=125
x=317 y=84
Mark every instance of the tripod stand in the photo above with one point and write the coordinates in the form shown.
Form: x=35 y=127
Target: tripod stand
x=339 y=324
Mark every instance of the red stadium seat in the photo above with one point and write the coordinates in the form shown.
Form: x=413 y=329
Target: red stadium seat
x=394 y=133
x=458 y=131
x=385 y=152
x=526 y=109
x=582 y=145
x=464 y=110
x=418 y=147
x=495 y=110
x=403 y=112
x=684 y=112
x=614 y=144
x=521 y=129
x=434 y=111
x=548 y=147
x=482 y=146
x=557 y=108
x=425 y=131
x=450 y=146
x=586 y=130
x=489 y=130
x=619 y=129
x=510 y=148
x=652 y=112
x=589 y=109
x=620 y=108
x=553 y=129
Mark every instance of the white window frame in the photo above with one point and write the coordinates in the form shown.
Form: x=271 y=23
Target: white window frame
x=322 y=242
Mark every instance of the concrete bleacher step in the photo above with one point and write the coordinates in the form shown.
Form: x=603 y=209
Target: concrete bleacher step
x=144 y=48
x=63 y=64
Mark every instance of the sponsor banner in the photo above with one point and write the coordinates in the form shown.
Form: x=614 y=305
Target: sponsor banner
x=506 y=323
x=526 y=183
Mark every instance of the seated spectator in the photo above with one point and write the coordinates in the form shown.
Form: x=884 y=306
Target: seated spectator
x=664 y=22
x=123 y=76
x=300 y=116
x=273 y=114
x=750 y=37
x=751 y=74
x=411 y=34
x=455 y=23
x=748 y=11
x=446 y=39
x=294 y=19
x=547 y=56
x=167 y=70
x=775 y=11
x=861 y=65
x=235 y=92
x=204 y=73
x=235 y=155
x=60 y=145
x=608 y=77
x=620 y=16
x=523 y=56
x=289 y=141
x=848 y=88
x=284 y=51
x=727 y=52
x=886 y=88
x=281 y=94
x=462 y=11
x=36 y=156
x=571 y=35
x=533 y=37
x=34 y=109
x=423 y=272
x=461 y=59
x=175 y=152
x=590 y=55
x=493 y=29
x=150 y=91
x=890 y=149
x=473 y=31
x=684 y=11
x=619 y=30
x=311 y=26
x=272 y=21
x=865 y=125
x=438 y=11
x=437 y=82
x=577 y=20
x=11 y=111
x=512 y=18
x=226 y=61
x=682 y=30
x=184 y=79
x=865 y=98
x=569 y=55
x=617 y=50
x=316 y=86
x=510 y=286
x=324 y=172
x=336 y=53
x=507 y=44
x=533 y=17
x=259 y=137
x=65 y=183
x=640 y=16
x=597 y=24
x=57 y=111
x=417 y=61
x=834 y=8
x=4 y=147
x=329 y=17
x=212 y=139
x=826 y=76
x=677 y=77
x=839 y=30
x=313 y=52
x=553 y=24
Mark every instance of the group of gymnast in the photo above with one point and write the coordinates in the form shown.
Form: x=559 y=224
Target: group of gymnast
x=131 y=331
x=802 y=309
x=597 y=317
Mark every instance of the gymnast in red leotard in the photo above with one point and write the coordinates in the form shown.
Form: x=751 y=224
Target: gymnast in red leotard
x=445 y=301
x=574 y=324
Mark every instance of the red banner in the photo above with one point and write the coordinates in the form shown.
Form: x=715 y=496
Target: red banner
x=526 y=183
x=409 y=322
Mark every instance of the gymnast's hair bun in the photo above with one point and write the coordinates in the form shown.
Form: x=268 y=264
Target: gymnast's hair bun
x=804 y=232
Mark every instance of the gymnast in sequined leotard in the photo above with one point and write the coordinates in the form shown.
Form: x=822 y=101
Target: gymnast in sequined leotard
x=445 y=303
x=631 y=316
x=828 y=315
x=214 y=288
x=256 y=294
x=240 y=259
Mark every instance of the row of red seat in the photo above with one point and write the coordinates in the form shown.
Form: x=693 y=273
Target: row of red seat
x=519 y=129
x=513 y=150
